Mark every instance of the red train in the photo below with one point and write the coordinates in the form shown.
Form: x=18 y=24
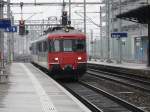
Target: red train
x=62 y=52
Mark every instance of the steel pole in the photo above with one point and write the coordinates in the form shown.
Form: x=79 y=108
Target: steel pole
x=8 y=35
x=63 y=6
x=148 y=48
x=92 y=49
x=1 y=36
x=12 y=41
x=108 y=30
x=85 y=17
x=119 y=39
x=101 y=38
x=69 y=10
x=112 y=26
x=26 y=44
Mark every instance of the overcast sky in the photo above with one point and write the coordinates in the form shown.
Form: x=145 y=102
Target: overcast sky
x=46 y=11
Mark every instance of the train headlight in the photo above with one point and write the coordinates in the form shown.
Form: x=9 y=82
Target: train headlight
x=66 y=30
x=79 y=58
x=56 y=59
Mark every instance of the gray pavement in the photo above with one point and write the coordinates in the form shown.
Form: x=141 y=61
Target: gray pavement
x=30 y=90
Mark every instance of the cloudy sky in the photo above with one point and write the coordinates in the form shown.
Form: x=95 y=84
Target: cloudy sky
x=47 y=11
x=43 y=12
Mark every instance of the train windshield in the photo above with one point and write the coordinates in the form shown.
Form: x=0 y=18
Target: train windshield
x=57 y=45
x=67 y=45
x=73 y=45
x=54 y=46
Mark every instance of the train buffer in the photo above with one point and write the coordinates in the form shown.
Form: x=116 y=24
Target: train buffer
x=30 y=90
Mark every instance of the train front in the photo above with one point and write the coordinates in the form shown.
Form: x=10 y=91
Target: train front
x=67 y=55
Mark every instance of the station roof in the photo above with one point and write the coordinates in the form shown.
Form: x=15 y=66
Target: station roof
x=139 y=15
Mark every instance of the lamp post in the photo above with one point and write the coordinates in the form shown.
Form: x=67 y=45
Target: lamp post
x=70 y=10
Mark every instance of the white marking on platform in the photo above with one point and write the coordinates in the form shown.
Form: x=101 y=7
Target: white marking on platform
x=126 y=92
x=143 y=108
x=47 y=105
x=83 y=107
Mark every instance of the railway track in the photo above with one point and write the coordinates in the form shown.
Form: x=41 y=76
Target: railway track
x=132 y=88
x=125 y=79
x=99 y=100
x=122 y=71
x=122 y=79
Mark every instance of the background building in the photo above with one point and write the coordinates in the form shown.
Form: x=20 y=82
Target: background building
x=130 y=49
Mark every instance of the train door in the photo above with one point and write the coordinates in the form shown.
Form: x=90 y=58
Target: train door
x=68 y=52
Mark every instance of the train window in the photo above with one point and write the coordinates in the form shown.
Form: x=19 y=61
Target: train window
x=67 y=45
x=80 y=45
x=37 y=48
x=33 y=48
x=40 y=47
x=50 y=46
x=44 y=46
x=56 y=46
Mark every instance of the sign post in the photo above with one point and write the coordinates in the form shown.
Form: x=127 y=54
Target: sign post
x=119 y=35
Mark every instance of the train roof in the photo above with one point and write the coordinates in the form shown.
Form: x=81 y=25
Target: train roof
x=61 y=32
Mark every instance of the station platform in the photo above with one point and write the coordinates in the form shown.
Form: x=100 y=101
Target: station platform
x=30 y=90
x=137 y=69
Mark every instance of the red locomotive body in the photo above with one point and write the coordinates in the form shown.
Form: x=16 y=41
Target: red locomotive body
x=62 y=53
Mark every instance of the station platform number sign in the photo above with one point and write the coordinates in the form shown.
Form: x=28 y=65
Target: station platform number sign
x=119 y=35
x=11 y=29
x=5 y=23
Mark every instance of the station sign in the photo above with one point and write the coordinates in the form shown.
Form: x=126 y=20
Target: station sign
x=11 y=29
x=5 y=23
x=119 y=34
